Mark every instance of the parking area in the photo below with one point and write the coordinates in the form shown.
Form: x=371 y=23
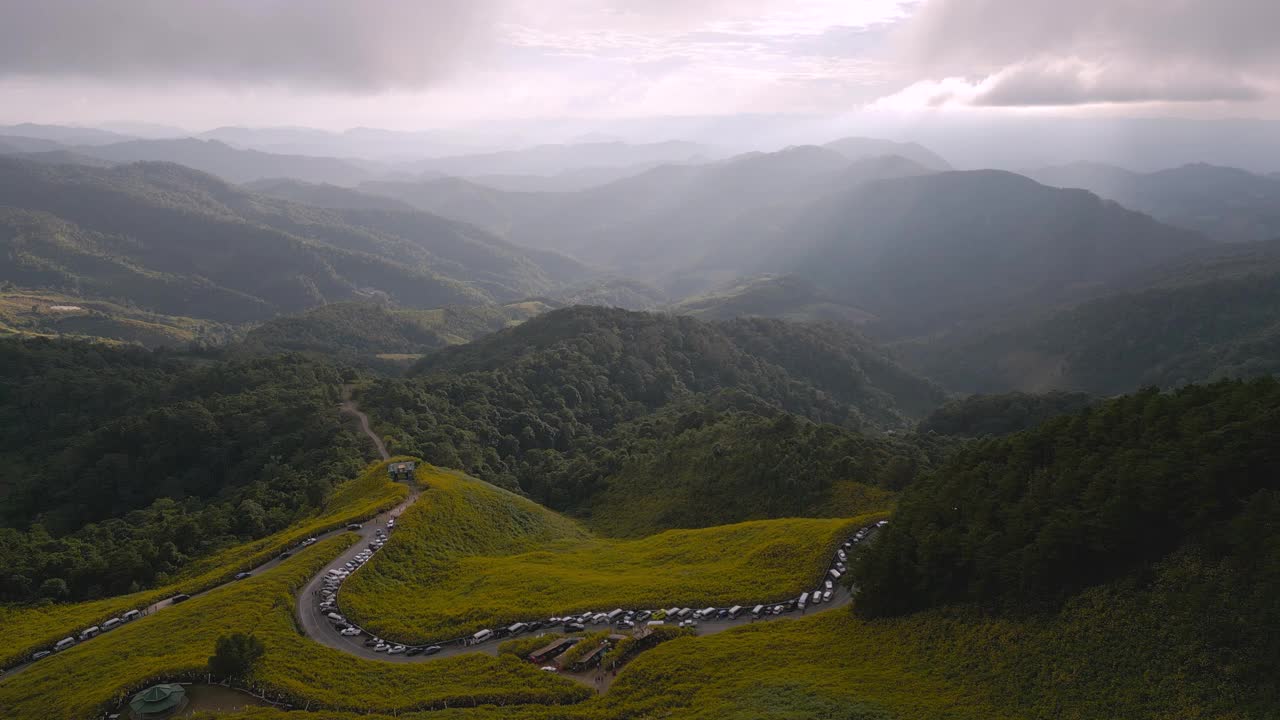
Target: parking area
x=321 y=616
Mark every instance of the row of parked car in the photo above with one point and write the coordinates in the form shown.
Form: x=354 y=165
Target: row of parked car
x=619 y=618
x=115 y=622
x=336 y=576
x=88 y=633
x=683 y=616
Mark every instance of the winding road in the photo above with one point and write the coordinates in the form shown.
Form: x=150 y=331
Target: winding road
x=349 y=407
x=315 y=624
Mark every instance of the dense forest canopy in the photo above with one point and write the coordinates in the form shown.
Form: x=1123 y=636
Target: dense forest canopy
x=979 y=415
x=1028 y=519
x=508 y=406
x=120 y=464
x=1210 y=317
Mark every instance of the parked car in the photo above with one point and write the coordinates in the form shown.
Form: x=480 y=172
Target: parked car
x=40 y=655
x=826 y=596
x=180 y=597
x=371 y=642
x=431 y=649
x=413 y=651
x=574 y=627
x=354 y=526
x=131 y=615
x=550 y=668
x=242 y=575
x=395 y=649
x=351 y=631
x=381 y=647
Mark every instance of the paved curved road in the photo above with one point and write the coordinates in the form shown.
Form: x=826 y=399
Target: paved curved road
x=315 y=624
x=349 y=407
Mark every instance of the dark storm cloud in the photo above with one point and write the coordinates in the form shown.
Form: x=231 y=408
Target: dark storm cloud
x=1058 y=52
x=354 y=45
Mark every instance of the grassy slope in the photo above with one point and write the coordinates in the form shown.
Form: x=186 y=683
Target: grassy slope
x=1109 y=654
x=179 y=641
x=30 y=628
x=99 y=319
x=468 y=555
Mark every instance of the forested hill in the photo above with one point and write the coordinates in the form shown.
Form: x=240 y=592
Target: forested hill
x=362 y=332
x=928 y=252
x=1211 y=317
x=1026 y=521
x=177 y=241
x=982 y=415
x=829 y=373
x=517 y=407
x=118 y=465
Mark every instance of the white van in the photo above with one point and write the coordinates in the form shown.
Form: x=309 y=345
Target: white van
x=89 y=632
x=835 y=574
x=709 y=613
x=517 y=628
x=735 y=611
x=64 y=643
x=111 y=624
x=131 y=615
x=614 y=615
x=757 y=610
x=482 y=636
x=804 y=599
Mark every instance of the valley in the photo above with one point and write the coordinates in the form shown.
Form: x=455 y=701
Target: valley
x=888 y=396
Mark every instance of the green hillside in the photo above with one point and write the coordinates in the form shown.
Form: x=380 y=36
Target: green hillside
x=1223 y=203
x=357 y=332
x=39 y=625
x=322 y=195
x=1211 y=317
x=787 y=297
x=121 y=465
x=468 y=556
x=45 y=314
x=928 y=252
x=982 y=415
x=176 y=241
x=724 y=459
x=510 y=406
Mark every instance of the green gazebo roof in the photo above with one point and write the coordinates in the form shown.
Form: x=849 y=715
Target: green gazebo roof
x=158 y=699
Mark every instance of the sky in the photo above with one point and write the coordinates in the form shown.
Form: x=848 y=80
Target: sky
x=418 y=64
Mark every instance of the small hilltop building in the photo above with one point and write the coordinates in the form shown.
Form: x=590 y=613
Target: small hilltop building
x=401 y=471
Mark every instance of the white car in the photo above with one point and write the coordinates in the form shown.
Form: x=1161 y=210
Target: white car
x=351 y=631
x=395 y=649
x=829 y=585
x=550 y=668
x=826 y=596
x=380 y=647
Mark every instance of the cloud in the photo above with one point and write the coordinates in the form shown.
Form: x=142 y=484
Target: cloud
x=347 y=45
x=1029 y=53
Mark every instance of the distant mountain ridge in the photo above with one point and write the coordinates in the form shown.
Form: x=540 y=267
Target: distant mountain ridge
x=787 y=297
x=185 y=243
x=232 y=164
x=925 y=252
x=861 y=148
x=1205 y=318
x=1225 y=204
